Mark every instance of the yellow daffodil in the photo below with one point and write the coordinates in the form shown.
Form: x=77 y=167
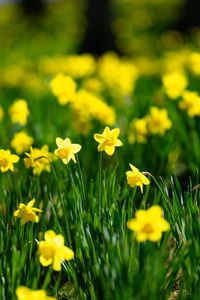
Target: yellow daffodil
x=27 y=212
x=66 y=150
x=194 y=63
x=191 y=103
x=24 y=293
x=158 y=121
x=53 y=251
x=174 y=84
x=149 y=224
x=138 y=131
x=136 y=178
x=21 y=142
x=39 y=159
x=108 y=140
x=7 y=160
x=19 y=112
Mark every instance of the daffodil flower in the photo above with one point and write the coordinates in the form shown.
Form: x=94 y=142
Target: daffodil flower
x=27 y=212
x=53 y=251
x=136 y=178
x=66 y=150
x=7 y=160
x=149 y=224
x=24 y=293
x=108 y=140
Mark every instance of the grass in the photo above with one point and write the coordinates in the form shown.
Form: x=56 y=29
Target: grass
x=108 y=260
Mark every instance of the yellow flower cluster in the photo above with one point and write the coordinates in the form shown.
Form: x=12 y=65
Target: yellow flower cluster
x=156 y=122
x=19 y=112
x=149 y=224
x=77 y=66
x=191 y=103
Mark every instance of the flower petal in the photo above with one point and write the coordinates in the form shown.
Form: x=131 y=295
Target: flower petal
x=60 y=142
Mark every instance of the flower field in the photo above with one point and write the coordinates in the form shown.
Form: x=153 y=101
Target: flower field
x=99 y=162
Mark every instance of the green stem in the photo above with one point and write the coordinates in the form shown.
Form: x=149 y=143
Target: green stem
x=100 y=176
x=47 y=278
x=81 y=181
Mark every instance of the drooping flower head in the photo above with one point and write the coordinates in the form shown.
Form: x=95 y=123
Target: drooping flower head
x=39 y=159
x=27 y=212
x=66 y=150
x=136 y=178
x=108 y=140
x=24 y=293
x=7 y=160
x=149 y=224
x=53 y=251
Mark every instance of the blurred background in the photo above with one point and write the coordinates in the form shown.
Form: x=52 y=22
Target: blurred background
x=35 y=28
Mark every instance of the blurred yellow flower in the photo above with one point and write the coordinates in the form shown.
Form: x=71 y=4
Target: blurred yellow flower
x=108 y=140
x=174 y=84
x=194 y=63
x=136 y=178
x=7 y=160
x=191 y=103
x=53 y=251
x=158 y=121
x=27 y=212
x=118 y=74
x=138 y=131
x=19 y=112
x=24 y=293
x=63 y=87
x=1 y=113
x=39 y=159
x=88 y=106
x=66 y=150
x=79 y=66
x=149 y=224
x=21 y=142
